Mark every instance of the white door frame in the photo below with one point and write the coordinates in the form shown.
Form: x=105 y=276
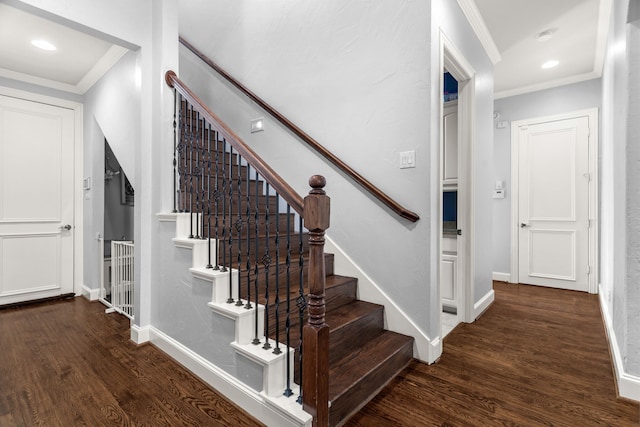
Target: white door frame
x=78 y=199
x=592 y=115
x=452 y=59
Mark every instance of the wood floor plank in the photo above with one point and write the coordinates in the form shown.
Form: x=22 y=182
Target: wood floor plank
x=67 y=363
x=537 y=357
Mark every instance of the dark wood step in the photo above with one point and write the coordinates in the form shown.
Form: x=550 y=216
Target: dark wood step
x=358 y=376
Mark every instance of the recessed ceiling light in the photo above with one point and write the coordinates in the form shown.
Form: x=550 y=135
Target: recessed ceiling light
x=545 y=35
x=43 y=44
x=550 y=64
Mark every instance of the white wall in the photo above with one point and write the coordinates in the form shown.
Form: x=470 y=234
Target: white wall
x=359 y=78
x=150 y=26
x=563 y=99
x=112 y=110
x=633 y=199
x=620 y=202
x=448 y=18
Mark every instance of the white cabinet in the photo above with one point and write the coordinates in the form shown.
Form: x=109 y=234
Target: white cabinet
x=448 y=272
x=450 y=142
x=448 y=280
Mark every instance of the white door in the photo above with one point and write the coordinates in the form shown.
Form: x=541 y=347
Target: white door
x=36 y=200
x=554 y=204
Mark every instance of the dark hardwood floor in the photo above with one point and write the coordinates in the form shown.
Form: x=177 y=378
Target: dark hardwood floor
x=537 y=357
x=67 y=363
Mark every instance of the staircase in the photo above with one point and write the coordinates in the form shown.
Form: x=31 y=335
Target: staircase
x=246 y=233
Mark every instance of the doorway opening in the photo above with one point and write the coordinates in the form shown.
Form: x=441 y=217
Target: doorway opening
x=456 y=207
x=118 y=225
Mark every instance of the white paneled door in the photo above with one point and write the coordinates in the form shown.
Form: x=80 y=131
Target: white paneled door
x=36 y=200
x=554 y=204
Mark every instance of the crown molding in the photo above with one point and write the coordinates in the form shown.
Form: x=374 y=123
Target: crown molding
x=547 y=85
x=104 y=64
x=472 y=13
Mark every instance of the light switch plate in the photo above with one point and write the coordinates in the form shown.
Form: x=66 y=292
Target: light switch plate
x=257 y=125
x=408 y=159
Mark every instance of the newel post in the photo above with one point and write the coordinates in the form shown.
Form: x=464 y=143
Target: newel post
x=315 y=361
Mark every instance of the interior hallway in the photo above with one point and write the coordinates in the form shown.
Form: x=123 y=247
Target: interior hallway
x=538 y=356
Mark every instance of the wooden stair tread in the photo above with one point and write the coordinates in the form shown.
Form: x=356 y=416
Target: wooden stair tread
x=339 y=318
x=357 y=363
x=358 y=376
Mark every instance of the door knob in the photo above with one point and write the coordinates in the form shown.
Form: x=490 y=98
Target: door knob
x=524 y=225
x=66 y=227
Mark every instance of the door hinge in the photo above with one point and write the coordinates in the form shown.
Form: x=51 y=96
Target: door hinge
x=588 y=270
x=588 y=176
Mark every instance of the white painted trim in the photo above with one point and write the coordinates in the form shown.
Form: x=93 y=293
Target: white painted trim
x=452 y=59
x=483 y=304
x=547 y=84
x=108 y=60
x=395 y=319
x=501 y=277
x=476 y=21
x=255 y=403
x=104 y=64
x=78 y=192
x=604 y=20
x=140 y=334
x=90 y=294
x=39 y=81
x=628 y=385
x=167 y=217
x=594 y=184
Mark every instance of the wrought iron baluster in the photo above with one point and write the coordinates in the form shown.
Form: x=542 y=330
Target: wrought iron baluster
x=182 y=157
x=301 y=302
x=175 y=149
x=256 y=340
x=216 y=198
x=230 y=234
x=277 y=350
x=238 y=227
x=248 y=305
x=190 y=119
x=287 y=391
x=266 y=262
x=198 y=173
x=208 y=178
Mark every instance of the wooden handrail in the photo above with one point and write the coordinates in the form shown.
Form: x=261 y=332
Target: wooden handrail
x=280 y=185
x=375 y=191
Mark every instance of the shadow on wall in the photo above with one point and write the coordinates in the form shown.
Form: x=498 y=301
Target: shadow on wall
x=118 y=201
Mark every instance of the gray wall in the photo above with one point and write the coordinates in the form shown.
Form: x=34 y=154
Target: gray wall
x=180 y=310
x=620 y=202
x=563 y=99
x=359 y=77
x=111 y=111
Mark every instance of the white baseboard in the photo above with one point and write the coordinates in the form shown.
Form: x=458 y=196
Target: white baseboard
x=502 y=277
x=140 y=335
x=90 y=294
x=628 y=385
x=253 y=402
x=483 y=304
x=425 y=349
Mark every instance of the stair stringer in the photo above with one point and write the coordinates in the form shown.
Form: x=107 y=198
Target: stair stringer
x=274 y=366
x=425 y=349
